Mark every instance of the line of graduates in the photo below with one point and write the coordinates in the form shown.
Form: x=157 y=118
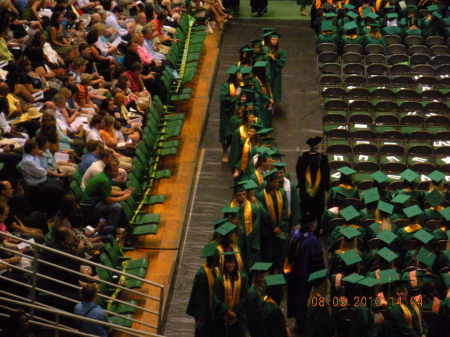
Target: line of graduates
x=247 y=99
x=389 y=259
x=371 y=21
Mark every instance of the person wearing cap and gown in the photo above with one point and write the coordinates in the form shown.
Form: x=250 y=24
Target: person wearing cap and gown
x=374 y=36
x=304 y=257
x=228 y=241
x=344 y=190
x=430 y=22
x=239 y=194
x=200 y=304
x=260 y=70
x=274 y=320
x=292 y=196
x=242 y=151
x=327 y=33
x=313 y=176
x=409 y=178
x=229 y=95
x=392 y=25
x=230 y=292
x=255 y=295
x=351 y=34
x=263 y=164
x=414 y=213
x=277 y=60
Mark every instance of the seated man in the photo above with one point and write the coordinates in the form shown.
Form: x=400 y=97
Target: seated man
x=106 y=202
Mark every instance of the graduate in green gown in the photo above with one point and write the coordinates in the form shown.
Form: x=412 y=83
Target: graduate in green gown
x=200 y=304
x=351 y=34
x=292 y=194
x=255 y=299
x=374 y=36
x=430 y=22
x=263 y=164
x=260 y=70
x=230 y=292
x=392 y=25
x=277 y=58
x=243 y=148
x=228 y=241
x=414 y=214
x=229 y=95
x=327 y=33
x=344 y=190
x=274 y=320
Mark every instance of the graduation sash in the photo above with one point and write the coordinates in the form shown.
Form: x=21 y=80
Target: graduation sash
x=412 y=228
x=385 y=223
x=243 y=132
x=270 y=206
x=407 y=315
x=234 y=203
x=232 y=291
x=211 y=278
x=237 y=255
x=245 y=155
x=248 y=217
x=311 y=188
x=232 y=89
x=269 y=299
x=259 y=177
x=378 y=4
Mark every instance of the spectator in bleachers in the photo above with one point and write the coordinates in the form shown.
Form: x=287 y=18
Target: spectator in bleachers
x=88 y=308
x=93 y=149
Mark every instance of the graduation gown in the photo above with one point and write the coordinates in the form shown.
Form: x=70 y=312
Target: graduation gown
x=274 y=321
x=404 y=320
x=251 y=219
x=200 y=304
x=276 y=68
x=228 y=100
x=341 y=192
x=255 y=304
x=223 y=287
x=242 y=152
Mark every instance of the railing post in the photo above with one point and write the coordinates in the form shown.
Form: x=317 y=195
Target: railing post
x=57 y=323
x=161 y=308
x=34 y=266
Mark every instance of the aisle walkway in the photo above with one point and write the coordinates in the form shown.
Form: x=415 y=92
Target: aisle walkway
x=300 y=120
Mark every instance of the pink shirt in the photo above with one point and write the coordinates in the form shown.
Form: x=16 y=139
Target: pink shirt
x=144 y=55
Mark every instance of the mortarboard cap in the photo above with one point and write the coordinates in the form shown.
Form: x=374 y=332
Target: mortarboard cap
x=349 y=232
x=351 y=15
x=423 y=236
x=264 y=131
x=375 y=227
x=275 y=280
x=261 y=266
x=349 y=213
x=239 y=186
x=436 y=176
x=209 y=250
x=370 y=195
x=369 y=282
x=246 y=70
x=385 y=207
x=229 y=253
x=401 y=198
x=279 y=164
x=353 y=278
x=268 y=29
x=426 y=257
x=371 y=15
x=232 y=70
x=219 y=222
x=386 y=236
x=345 y=170
x=327 y=26
x=226 y=228
x=250 y=185
x=367 y=10
x=270 y=174
x=318 y=275
x=409 y=175
x=260 y=64
x=329 y=15
x=275 y=34
x=434 y=198
x=446 y=213
x=350 y=257
x=230 y=210
x=349 y=6
x=379 y=177
x=412 y=211
x=389 y=276
x=437 y=15
x=392 y=16
x=432 y=8
x=387 y=254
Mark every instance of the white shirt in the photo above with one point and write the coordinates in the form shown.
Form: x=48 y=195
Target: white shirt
x=111 y=21
x=94 y=134
x=4 y=125
x=95 y=168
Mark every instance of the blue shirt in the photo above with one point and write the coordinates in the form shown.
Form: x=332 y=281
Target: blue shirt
x=32 y=170
x=86 y=161
x=94 y=311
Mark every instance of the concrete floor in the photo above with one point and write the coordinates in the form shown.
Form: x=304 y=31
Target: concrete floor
x=300 y=118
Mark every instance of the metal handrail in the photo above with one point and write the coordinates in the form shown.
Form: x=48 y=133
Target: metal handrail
x=130 y=331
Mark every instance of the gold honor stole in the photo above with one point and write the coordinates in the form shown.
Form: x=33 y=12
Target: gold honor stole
x=232 y=89
x=259 y=177
x=234 y=203
x=385 y=223
x=211 y=278
x=310 y=188
x=245 y=155
x=407 y=315
x=243 y=132
x=269 y=299
x=248 y=217
x=270 y=206
x=232 y=291
x=378 y=4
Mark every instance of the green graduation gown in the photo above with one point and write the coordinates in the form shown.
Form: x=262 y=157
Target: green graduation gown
x=399 y=326
x=341 y=192
x=274 y=321
x=255 y=304
x=276 y=68
x=227 y=106
x=252 y=213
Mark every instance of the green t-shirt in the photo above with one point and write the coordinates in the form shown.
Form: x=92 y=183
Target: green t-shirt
x=98 y=188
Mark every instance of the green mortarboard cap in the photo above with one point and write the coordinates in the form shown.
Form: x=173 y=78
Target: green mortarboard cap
x=448 y=235
x=317 y=275
x=256 y=126
x=279 y=164
x=219 y=222
x=412 y=211
x=409 y=175
x=392 y=16
x=375 y=226
x=388 y=276
x=386 y=236
x=239 y=186
x=436 y=176
x=401 y=198
x=349 y=213
x=260 y=64
x=270 y=174
x=264 y=131
x=367 y=10
x=229 y=253
x=246 y=49
x=246 y=70
x=434 y=198
x=230 y=210
x=345 y=170
x=275 y=280
x=379 y=177
x=437 y=15
x=432 y=8
x=353 y=278
x=385 y=207
x=350 y=26
x=268 y=29
x=446 y=213
x=446 y=279
x=351 y=15
x=387 y=254
x=350 y=257
x=268 y=33
x=423 y=236
x=232 y=70
x=349 y=232
x=370 y=195
x=275 y=34
x=402 y=22
x=349 y=6
x=327 y=26
x=371 y=15
x=250 y=185
x=226 y=228
x=426 y=257
x=275 y=152
x=330 y=15
x=412 y=8
x=261 y=266
x=209 y=249
x=368 y=282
